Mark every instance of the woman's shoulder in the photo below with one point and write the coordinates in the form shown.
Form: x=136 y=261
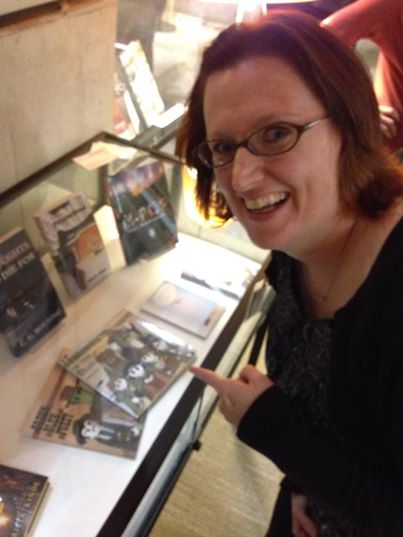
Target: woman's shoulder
x=386 y=273
x=393 y=233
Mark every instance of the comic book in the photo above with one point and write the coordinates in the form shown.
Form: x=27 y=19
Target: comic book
x=131 y=362
x=69 y=412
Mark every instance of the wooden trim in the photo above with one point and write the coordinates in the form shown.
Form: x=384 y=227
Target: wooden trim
x=24 y=16
x=43 y=13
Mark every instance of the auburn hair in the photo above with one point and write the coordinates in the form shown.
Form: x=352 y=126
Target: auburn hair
x=370 y=179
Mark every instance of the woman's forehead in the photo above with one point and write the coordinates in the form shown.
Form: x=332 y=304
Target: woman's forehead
x=256 y=87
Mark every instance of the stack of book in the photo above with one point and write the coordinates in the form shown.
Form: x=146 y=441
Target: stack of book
x=97 y=397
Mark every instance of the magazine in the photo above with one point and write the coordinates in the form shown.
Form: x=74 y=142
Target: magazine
x=183 y=308
x=71 y=413
x=131 y=362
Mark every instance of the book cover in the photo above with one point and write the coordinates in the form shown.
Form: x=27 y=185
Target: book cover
x=73 y=239
x=21 y=497
x=29 y=304
x=71 y=413
x=183 y=308
x=126 y=122
x=141 y=82
x=131 y=362
x=144 y=216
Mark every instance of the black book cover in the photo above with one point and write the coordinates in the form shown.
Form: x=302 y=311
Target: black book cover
x=29 y=304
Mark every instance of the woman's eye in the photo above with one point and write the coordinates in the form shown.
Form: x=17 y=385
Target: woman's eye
x=221 y=147
x=275 y=133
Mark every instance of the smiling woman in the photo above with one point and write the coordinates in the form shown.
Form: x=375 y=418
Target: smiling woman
x=282 y=140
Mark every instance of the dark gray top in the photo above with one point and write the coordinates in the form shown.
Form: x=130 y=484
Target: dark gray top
x=298 y=360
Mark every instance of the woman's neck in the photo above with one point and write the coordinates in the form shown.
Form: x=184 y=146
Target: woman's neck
x=331 y=275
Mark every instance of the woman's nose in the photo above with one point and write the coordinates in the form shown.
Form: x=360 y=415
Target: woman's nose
x=247 y=170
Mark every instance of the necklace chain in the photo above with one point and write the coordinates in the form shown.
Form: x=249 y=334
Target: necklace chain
x=323 y=297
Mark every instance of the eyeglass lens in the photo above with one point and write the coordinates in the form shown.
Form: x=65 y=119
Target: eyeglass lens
x=270 y=140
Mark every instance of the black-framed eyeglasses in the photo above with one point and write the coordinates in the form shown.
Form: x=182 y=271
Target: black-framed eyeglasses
x=273 y=139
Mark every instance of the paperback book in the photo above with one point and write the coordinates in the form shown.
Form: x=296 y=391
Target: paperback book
x=71 y=234
x=29 y=304
x=131 y=362
x=144 y=216
x=71 y=413
x=183 y=308
x=232 y=285
x=126 y=122
x=22 y=496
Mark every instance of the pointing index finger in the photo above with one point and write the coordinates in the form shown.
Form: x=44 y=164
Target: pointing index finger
x=208 y=377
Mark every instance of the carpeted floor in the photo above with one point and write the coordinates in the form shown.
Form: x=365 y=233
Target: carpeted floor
x=226 y=489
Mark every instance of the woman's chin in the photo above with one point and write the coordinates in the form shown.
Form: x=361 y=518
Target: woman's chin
x=266 y=241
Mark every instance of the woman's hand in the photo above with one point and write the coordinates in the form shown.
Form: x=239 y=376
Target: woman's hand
x=236 y=395
x=302 y=525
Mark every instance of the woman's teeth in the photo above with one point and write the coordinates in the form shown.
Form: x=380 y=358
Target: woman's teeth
x=268 y=201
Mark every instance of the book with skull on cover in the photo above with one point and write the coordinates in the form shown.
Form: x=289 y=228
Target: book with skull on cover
x=69 y=412
x=131 y=362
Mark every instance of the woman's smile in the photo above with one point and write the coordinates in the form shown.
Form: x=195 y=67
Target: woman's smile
x=265 y=203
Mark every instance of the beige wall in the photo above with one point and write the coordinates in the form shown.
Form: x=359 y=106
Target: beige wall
x=56 y=85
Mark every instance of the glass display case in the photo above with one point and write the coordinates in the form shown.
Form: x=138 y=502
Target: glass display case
x=133 y=487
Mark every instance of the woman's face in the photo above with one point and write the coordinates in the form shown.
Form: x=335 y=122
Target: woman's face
x=286 y=202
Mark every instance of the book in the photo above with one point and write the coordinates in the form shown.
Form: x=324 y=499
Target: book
x=29 y=304
x=22 y=495
x=230 y=284
x=183 y=308
x=126 y=122
x=71 y=413
x=143 y=213
x=131 y=362
x=140 y=82
x=72 y=237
